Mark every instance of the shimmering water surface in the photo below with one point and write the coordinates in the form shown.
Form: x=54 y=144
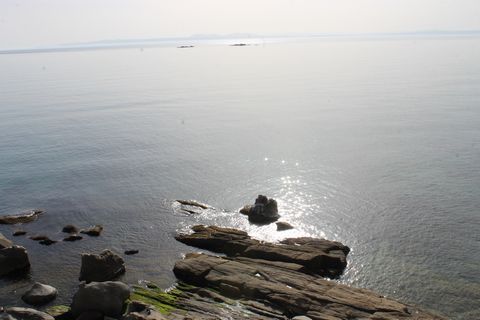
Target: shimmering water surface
x=372 y=143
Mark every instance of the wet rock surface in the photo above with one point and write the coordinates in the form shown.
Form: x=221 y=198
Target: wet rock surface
x=24 y=217
x=39 y=294
x=102 y=267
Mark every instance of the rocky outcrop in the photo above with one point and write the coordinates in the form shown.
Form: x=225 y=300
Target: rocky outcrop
x=17 y=313
x=39 y=294
x=102 y=267
x=108 y=298
x=318 y=256
x=21 y=218
x=282 y=226
x=13 y=259
x=264 y=210
x=94 y=231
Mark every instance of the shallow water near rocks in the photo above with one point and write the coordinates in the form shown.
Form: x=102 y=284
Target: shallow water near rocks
x=372 y=143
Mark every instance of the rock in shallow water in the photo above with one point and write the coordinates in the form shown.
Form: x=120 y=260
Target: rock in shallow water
x=72 y=238
x=13 y=259
x=282 y=226
x=94 y=231
x=103 y=267
x=105 y=297
x=21 y=218
x=264 y=210
x=26 y=314
x=69 y=228
x=39 y=294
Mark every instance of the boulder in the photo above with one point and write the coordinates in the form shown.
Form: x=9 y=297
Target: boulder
x=282 y=226
x=94 y=231
x=102 y=267
x=69 y=228
x=264 y=210
x=105 y=297
x=39 y=294
x=13 y=259
x=27 y=314
x=4 y=242
x=24 y=217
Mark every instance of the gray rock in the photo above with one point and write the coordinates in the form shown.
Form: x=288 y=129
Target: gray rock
x=105 y=297
x=103 y=267
x=13 y=259
x=39 y=294
x=4 y=242
x=69 y=228
x=24 y=217
x=27 y=314
x=282 y=226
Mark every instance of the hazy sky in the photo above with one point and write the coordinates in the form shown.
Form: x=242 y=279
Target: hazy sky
x=27 y=23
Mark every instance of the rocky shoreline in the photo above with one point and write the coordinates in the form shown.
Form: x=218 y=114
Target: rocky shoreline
x=244 y=279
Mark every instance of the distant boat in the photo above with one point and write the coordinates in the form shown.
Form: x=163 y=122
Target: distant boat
x=184 y=47
x=239 y=45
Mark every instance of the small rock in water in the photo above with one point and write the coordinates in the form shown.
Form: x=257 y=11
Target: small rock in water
x=101 y=267
x=20 y=218
x=282 y=226
x=19 y=233
x=39 y=294
x=47 y=242
x=264 y=210
x=130 y=252
x=69 y=228
x=93 y=231
x=73 y=237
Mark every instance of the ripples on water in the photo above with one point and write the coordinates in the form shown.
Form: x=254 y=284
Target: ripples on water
x=375 y=144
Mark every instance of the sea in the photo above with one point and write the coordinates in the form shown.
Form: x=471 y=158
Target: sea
x=371 y=142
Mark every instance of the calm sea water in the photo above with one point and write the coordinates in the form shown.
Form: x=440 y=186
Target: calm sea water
x=372 y=143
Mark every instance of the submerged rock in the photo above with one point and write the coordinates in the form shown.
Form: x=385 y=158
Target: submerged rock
x=103 y=267
x=18 y=233
x=21 y=218
x=264 y=210
x=73 y=237
x=94 y=231
x=47 y=242
x=190 y=206
x=69 y=228
x=26 y=314
x=107 y=298
x=39 y=237
x=39 y=294
x=13 y=259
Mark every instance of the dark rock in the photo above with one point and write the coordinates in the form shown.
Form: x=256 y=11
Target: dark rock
x=105 y=297
x=282 y=226
x=27 y=314
x=264 y=210
x=319 y=256
x=47 y=242
x=130 y=252
x=13 y=259
x=194 y=203
x=91 y=315
x=103 y=267
x=94 y=231
x=70 y=229
x=19 y=233
x=39 y=294
x=59 y=312
x=73 y=237
x=20 y=218
x=190 y=206
x=4 y=242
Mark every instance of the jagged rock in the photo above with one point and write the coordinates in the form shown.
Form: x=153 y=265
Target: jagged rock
x=13 y=259
x=105 y=297
x=190 y=206
x=282 y=226
x=4 y=242
x=103 y=267
x=94 y=231
x=39 y=294
x=274 y=289
x=130 y=252
x=193 y=203
x=20 y=218
x=264 y=210
x=27 y=314
x=323 y=257
x=73 y=237
x=69 y=228
x=18 y=233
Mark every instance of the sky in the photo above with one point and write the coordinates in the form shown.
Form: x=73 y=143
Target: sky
x=34 y=23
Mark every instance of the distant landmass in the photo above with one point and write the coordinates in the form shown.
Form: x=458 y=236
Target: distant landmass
x=233 y=38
